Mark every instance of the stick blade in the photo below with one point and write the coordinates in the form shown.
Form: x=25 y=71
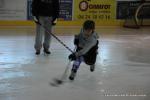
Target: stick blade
x=56 y=82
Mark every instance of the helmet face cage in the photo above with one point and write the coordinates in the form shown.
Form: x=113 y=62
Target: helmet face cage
x=89 y=24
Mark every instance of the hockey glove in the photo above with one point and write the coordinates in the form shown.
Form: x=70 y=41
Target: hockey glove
x=36 y=19
x=54 y=21
x=72 y=57
x=76 y=40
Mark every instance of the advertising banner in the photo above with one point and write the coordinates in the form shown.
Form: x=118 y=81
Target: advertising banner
x=29 y=10
x=13 y=9
x=127 y=9
x=95 y=10
x=65 y=9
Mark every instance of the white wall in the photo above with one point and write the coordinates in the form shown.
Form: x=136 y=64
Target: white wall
x=13 y=9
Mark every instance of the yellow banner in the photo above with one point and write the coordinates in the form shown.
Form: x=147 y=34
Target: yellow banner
x=95 y=9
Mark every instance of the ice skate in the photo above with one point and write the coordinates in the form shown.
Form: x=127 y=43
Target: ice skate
x=37 y=52
x=72 y=75
x=46 y=51
x=92 y=68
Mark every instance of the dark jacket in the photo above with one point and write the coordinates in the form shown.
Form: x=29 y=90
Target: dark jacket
x=45 y=8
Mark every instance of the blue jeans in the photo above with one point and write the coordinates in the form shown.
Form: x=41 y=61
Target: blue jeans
x=77 y=62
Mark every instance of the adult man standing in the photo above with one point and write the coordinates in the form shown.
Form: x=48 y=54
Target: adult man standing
x=46 y=13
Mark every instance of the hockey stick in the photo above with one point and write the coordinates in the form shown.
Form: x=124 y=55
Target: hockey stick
x=56 y=38
x=59 y=81
x=64 y=75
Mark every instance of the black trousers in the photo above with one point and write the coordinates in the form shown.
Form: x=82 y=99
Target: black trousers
x=90 y=56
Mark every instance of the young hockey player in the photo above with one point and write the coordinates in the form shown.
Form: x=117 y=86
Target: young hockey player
x=87 y=45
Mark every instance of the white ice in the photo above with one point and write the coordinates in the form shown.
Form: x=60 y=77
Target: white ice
x=122 y=67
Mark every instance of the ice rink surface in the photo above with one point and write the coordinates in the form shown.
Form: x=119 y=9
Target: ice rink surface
x=122 y=68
